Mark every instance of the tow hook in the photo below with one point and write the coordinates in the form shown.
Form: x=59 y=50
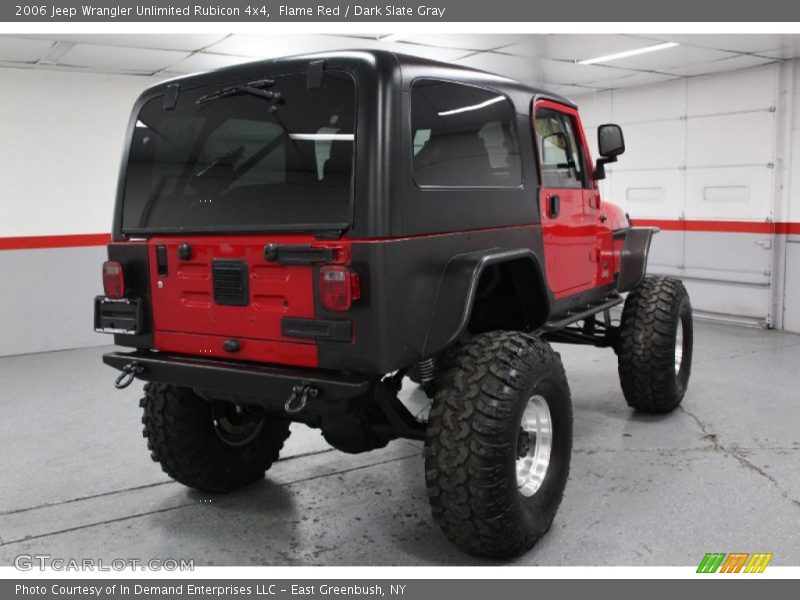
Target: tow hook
x=299 y=398
x=129 y=373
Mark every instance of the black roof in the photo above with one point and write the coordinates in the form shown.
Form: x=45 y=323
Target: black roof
x=408 y=66
x=490 y=78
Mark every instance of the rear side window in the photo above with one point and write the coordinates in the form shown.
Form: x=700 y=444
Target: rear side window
x=463 y=136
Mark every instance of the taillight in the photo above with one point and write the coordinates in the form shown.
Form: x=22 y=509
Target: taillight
x=113 y=279
x=338 y=288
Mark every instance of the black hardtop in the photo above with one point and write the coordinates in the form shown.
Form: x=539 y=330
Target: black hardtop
x=383 y=64
x=392 y=204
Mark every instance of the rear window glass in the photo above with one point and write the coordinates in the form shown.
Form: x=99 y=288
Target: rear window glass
x=266 y=154
x=463 y=136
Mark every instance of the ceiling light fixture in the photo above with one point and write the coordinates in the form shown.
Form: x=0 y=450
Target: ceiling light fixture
x=55 y=53
x=627 y=53
x=392 y=37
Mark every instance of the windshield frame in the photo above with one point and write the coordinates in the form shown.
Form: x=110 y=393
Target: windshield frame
x=323 y=229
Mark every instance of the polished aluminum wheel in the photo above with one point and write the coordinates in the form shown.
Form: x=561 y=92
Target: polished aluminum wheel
x=678 y=346
x=534 y=447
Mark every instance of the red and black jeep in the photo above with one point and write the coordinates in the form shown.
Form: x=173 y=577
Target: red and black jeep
x=293 y=237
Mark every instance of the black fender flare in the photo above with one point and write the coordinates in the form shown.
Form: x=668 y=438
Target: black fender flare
x=633 y=260
x=456 y=292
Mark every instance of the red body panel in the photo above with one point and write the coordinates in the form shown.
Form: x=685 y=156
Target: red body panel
x=296 y=353
x=577 y=244
x=187 y=320
x=580 y=250
x=569 y=240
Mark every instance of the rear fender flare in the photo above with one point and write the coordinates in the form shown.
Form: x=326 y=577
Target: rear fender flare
x=456 y=293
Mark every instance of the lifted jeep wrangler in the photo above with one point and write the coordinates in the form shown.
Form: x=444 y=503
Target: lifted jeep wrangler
x=293 y=237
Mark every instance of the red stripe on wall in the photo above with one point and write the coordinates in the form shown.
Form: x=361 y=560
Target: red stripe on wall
x=761 y=227
x=788 y=228
x=54 y=241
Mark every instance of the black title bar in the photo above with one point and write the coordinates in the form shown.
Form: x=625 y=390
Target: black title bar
x=472 y=11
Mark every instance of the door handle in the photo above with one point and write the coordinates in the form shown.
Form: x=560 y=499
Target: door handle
x=161 y=260
x=553 y=206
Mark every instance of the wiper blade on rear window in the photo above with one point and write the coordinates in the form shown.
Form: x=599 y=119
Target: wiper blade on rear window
x=255 y=88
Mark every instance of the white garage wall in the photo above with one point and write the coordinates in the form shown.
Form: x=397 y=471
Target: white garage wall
x=62 y=135
x=703 y=161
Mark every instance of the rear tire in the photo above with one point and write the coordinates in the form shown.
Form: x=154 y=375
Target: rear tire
x=210 y=446
x=655 y=345
x=481 y=493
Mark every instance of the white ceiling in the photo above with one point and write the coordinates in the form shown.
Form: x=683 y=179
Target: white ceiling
x=544 y=60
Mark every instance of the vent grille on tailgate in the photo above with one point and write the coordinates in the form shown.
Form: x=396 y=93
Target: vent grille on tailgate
x=231 y=282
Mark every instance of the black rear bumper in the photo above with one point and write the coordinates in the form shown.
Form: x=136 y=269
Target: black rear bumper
x=268 y=386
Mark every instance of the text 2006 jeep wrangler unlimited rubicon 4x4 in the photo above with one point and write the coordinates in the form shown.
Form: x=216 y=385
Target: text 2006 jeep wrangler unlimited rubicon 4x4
x=292 y=237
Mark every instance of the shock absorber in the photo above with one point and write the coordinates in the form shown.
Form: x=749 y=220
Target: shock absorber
x=425 y=371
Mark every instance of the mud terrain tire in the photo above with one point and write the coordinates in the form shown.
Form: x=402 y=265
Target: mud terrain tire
x=208 y=446
x=655 y=345
x=475 y=437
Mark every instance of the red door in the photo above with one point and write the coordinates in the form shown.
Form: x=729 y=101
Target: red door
x=569 y=210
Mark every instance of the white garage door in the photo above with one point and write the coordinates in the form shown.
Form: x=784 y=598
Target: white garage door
x=700 y=164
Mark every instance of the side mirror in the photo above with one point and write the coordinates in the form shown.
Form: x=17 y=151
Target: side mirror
x=611 y=144
x=610 y=140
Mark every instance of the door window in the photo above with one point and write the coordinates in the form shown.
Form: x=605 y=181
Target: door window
x=560 y=153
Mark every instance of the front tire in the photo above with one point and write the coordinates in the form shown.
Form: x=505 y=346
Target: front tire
x=210 y=446
x=498 y=443
x=655 y=345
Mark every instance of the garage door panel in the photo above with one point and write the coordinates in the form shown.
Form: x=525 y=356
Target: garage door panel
x=729 y=193
x=732 y=139
x=595 y=109
x=654 y=145
x=650 y=194
x=724 y=92
x=651 y=103
x=736 y=257
x=740 y=301
x=666 y=253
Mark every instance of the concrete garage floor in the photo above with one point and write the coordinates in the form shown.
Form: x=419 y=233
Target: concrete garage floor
x=722 y=474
